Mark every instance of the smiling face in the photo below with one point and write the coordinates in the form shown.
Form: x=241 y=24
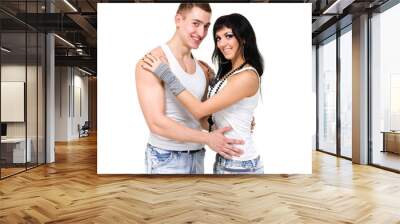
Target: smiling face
x=228 y=44
x=192 y=26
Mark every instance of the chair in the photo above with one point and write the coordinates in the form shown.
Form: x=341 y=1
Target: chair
x=84 y=130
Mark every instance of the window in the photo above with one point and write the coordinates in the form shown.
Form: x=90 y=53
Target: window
x=346 y=93
x=327 y=96
x=385 y=88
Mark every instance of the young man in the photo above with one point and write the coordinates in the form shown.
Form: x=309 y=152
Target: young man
x=176 y=140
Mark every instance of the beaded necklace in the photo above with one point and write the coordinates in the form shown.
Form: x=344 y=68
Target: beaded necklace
x=222 y=80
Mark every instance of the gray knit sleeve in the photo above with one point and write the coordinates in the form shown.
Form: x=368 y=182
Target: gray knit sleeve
x=165 y=74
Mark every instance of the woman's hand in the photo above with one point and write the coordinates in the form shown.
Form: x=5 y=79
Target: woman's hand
x=160 y=68
x=151 y=63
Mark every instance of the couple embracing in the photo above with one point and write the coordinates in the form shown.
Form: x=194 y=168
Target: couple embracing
x=181 y=97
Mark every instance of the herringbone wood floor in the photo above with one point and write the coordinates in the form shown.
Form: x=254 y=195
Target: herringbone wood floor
x=70 y=191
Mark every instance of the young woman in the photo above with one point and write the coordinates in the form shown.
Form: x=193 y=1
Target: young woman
x=234 y=93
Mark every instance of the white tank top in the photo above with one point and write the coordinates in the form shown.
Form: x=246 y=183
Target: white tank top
x=195 y=84
x=239 y=117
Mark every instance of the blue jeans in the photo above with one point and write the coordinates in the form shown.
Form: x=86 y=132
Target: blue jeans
x=163 y=161
x=228 y=166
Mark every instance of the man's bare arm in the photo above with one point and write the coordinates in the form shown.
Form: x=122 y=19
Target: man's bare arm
x=151 y=98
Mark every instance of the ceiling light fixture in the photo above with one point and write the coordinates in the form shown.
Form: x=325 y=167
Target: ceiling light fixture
x=337 y=7
x=5 y=50
x=84 y=71
x=64 y=40
x=70 y=5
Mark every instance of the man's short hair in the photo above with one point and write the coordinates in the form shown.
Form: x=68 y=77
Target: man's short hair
x=188 y=6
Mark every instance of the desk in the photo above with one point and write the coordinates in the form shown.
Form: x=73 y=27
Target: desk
x=15 y=148
x=391 y=141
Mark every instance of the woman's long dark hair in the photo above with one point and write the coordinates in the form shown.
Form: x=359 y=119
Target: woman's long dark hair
x=246 y=37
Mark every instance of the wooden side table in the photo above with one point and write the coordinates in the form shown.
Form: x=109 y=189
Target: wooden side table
x=391 y=141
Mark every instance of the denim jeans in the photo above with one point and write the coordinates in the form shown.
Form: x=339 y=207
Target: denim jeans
x=164 y=161
x=228 y=166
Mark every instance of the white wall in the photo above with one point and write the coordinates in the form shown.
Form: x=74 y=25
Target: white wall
x=62 y=81
x=12 y=73
x=33 y=127
x=82 y=83
x=70 y=83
